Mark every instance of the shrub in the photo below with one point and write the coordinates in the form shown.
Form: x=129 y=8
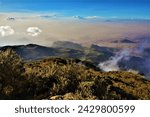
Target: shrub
x=86 y=90
x=11 y=79
x=66 y=79
x=102 y=88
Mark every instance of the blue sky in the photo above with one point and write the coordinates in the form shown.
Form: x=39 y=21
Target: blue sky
x=103 y=8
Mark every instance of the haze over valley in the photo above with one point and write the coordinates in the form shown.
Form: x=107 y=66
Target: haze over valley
x=26 y=28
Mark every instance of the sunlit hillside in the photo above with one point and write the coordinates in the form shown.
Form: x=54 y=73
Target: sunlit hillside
x=66 y=78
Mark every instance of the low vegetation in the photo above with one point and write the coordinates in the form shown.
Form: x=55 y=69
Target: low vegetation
x=65 y=78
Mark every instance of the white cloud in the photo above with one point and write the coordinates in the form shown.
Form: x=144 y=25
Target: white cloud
x=33 y=31
x=78 y=17
x=49 y=16
x=11 y=18
x=112 y=64
x=92 y=17
x=87 y=17
x=6 y=31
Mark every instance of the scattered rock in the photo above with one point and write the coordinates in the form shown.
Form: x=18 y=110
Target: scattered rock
x=57 y=97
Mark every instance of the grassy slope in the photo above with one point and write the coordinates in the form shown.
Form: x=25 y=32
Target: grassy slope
x=88 y=83
x=65 y=78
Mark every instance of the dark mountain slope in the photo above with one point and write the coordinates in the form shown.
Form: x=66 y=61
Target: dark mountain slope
x=32 y=51
x=67 y=44
x=124 y=41
x=63 y=49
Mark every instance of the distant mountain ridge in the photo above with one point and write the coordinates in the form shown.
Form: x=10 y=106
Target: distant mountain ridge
x=94 y=54
x=31 y=51
x=124 y=41
x=62 y=49
x=67 y=44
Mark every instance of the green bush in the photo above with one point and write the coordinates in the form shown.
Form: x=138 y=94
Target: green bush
x=11 y=79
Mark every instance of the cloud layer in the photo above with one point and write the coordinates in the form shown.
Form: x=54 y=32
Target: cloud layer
x=47 y=29
x=6 y=31
x=112 y=64
x=34 y=31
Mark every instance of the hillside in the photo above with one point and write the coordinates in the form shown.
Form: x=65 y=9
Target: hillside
x=65 y=78
x=61 y=49
x=134 y=59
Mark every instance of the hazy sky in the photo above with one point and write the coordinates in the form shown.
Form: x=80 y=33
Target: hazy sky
x=85 y=21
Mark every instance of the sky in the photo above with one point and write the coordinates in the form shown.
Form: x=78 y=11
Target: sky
x=126 y=9
x=83 y=21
